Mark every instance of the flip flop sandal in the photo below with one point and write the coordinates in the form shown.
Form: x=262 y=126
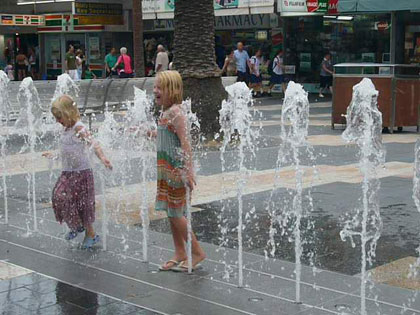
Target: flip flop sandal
x=183 y=267
x=174 y=264
x=88 y=242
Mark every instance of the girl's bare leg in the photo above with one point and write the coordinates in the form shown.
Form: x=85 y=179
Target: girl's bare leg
x=90 y=231
x=180 y=235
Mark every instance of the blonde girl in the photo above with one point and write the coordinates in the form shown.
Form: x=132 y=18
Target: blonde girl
x=73 y=197
x=175 y=172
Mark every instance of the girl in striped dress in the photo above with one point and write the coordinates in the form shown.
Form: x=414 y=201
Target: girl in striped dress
x=175 y=172
x=73 y=197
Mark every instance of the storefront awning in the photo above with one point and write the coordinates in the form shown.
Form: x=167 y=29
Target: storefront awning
x=351 y=6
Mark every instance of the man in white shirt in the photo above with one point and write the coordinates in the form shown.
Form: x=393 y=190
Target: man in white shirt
x=277 y=76
x=162 y=59
x=241 y=58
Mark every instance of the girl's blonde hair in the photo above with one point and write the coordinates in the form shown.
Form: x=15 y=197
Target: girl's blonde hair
x=171 y=83
x=65 y=108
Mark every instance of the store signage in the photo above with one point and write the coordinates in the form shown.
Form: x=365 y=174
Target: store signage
x=168 y=6
x=100 y=20
x=88 y=8
x=333 y=7
x=381 y=26
x=22 y=20
x=7 y=20
x=225 y=4
x=306 y=6
x=317 y=5
x=293 y=6
x=224 y=22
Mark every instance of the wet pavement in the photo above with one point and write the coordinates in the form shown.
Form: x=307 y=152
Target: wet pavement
x=67 y=280
x=39 y=295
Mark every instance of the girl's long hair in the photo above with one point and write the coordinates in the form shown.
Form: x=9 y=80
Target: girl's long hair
x=171 y=83
x=64 y=107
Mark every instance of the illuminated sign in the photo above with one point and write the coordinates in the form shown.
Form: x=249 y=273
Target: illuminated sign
x=87 y=8
x=22 y=20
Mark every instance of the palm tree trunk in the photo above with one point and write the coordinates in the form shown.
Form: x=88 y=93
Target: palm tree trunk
x=138 y=38
x=194 y=58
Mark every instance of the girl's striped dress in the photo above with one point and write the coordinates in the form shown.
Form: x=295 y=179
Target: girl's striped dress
x=171 y=190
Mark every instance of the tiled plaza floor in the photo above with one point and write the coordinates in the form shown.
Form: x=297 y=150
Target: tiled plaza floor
x=60 y=278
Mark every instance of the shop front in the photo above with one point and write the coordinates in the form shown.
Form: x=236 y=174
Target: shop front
x=250 y=21
x=19 y=34
x=93 y=28
x=254 y=30
x=310 y=34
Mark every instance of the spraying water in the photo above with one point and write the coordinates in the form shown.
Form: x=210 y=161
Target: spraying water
x=29 y=124
x=140 y=114
x=416 y=197
x=4 y=115
x=193 y=126
x=364 y=127
x=235 y=121
x=107 y=137
x=293 y=135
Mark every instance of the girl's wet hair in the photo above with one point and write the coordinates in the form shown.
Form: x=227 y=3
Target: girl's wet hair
x=171 y=83
x=65 y=107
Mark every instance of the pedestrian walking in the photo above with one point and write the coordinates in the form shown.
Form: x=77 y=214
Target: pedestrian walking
x=162 y=59
x=79 y=63
x=256 y=79
x=21 y=65
x=33 y=64
x=124 y=65
x=229 y=67
x=277 y=75
x=241 y=58
x=326 y=75
x=175 y=171
x=71 y=67
x=73 y=197
x=110 y=61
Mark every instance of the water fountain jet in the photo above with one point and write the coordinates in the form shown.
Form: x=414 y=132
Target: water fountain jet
x=4 y=115
x=235 y=121
x=364 y=127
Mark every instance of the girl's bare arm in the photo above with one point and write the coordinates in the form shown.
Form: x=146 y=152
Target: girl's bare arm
x=181 y=128
x=87 y=137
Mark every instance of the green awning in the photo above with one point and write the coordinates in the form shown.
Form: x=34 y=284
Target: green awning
x=351 y=6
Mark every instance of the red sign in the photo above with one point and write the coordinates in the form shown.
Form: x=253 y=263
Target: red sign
x=312 y=5
x=333 y=7
x=381 y=26
x=319 y=6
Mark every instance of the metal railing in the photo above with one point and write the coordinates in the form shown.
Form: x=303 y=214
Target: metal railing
x=93 y=95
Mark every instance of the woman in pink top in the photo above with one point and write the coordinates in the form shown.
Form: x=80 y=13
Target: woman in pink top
x=123 y=64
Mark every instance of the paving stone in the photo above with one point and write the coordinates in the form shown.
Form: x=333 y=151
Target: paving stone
x=43 y=287
x=119 y=308
x=13 y=309
x=62 y=309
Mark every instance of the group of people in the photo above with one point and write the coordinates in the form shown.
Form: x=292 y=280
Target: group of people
x=76 y=66
x=247 y=69
x=26 y=65
x=73 y=198
x=121 y=66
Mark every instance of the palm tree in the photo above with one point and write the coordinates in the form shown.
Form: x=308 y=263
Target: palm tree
x=138 y=38
x=194 y=58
